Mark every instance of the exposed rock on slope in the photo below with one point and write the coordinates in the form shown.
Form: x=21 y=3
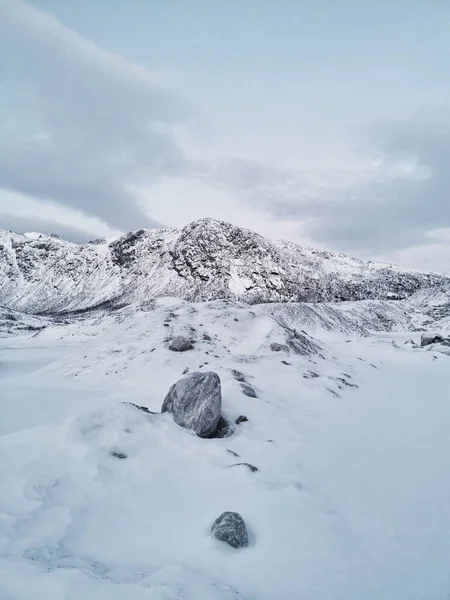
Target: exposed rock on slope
x=206 y=260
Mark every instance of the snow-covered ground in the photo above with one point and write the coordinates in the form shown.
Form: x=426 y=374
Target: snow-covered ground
x=351 y=499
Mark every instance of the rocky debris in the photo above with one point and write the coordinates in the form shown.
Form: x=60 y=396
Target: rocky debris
x=247 y=390
x=180 y=344
x=346 y=383
x=311 y=375
x=301 y=344
x=186 y=370
x=238 y=376
x=252 y=468
x=230 y=528
x=285 y=362
x=276 y=347
x=196 y=402
x=241 y=419
x=143 y=408
x=206 y=337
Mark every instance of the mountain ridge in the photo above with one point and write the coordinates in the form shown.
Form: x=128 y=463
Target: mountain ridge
x=205 y=260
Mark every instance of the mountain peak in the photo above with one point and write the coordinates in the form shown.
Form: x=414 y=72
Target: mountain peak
x=207 y=259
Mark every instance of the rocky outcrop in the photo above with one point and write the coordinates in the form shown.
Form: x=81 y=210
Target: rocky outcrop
x=206 y=260
x=427 y=339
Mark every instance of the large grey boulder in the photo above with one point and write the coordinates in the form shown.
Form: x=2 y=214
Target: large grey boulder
x=180 y=344
x=430 y=338
x=230 y=528
x=196 y=402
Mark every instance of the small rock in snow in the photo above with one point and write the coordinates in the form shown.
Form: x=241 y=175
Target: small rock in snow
x=285 y=362
x=238 y=376
x=248 y=390
x=180 y=344
x=186 y=370
x=230 y=528
x=233 y=453
x=241 y=419
x=120 y=455
x=206 y=337
x=196 y=402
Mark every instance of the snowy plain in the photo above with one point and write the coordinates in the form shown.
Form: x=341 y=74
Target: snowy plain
x=351 y=499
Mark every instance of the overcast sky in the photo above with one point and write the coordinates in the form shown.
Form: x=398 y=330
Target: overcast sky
x=324 y=122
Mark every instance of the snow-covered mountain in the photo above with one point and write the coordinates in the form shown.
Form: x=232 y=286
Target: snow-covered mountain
x=206 y=260
x=335 y=420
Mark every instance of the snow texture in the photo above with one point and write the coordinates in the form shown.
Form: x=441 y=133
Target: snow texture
x=205 y=260
x=196 y=402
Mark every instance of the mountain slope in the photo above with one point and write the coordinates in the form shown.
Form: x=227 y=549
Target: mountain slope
x=206 y=260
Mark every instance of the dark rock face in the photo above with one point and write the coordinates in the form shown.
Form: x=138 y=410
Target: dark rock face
x=430 y=338
x=247 y=390
x=196 y=402
x=230 y=528
x=180 y=344
x=276 y=347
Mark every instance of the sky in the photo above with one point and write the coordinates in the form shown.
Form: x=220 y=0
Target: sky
x=326 y=123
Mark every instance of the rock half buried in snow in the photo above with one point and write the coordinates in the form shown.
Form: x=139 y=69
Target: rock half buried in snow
x=195 y=402
x=248 y=390
x=180 y=344
x=238 y=375
x=230 y=528
x=276 y=347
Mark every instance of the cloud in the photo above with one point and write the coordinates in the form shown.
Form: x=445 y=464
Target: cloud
x=391 y=202
x=26 y=224
x=80 y=124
